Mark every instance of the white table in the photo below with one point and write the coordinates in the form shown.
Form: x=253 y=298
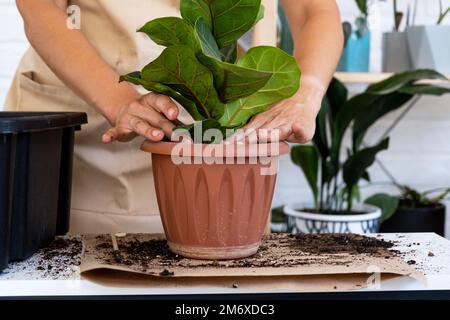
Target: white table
x=23 y=280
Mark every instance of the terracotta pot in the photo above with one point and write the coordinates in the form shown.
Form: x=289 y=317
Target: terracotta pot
x=216 y=204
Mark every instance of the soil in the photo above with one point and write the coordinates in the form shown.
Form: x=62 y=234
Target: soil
x=58 y=261
x=61 y=253
x=277 y=250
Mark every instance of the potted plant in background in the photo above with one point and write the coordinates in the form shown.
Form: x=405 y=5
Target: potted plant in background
x=356 y=54
x=333 y=171
x=411 y=210
x=215 y=198
x=429 y=45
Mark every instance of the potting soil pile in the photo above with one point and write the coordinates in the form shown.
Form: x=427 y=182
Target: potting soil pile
x=284 y=262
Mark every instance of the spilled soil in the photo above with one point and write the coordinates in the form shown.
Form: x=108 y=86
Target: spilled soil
x=277 y=250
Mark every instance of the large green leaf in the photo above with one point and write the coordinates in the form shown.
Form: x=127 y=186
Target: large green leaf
x=135 y=78
x=371 y=112
x=170 y=31
x=387 y=203
x=337 y=95
x=177 y=67
x=358 y=163
x=307 y=158
x=400 y=80
x=284 y=83
x=191 y=10
x=344 y=118
x=320 y=138
x=229 y=20
x=231 y=81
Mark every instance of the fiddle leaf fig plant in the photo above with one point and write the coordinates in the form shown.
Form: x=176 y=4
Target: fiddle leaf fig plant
x=199 y=67
x=332 y=171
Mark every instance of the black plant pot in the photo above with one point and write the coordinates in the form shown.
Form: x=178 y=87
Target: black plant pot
x=421 y=219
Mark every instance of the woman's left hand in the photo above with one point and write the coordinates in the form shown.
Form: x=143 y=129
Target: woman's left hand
x=289 y=120
x=292 y=120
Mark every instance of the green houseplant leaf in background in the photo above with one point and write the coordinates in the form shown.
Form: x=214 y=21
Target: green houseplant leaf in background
x=198 y=68
x=338 y=178
x=307 y=157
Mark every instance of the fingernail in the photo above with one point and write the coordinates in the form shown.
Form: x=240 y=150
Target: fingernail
x=156 y=133
x=172 y=112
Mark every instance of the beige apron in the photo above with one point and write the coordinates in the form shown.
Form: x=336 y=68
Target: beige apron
x=113 y=187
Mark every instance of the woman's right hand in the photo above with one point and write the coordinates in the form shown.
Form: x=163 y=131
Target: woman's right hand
x=149 y=116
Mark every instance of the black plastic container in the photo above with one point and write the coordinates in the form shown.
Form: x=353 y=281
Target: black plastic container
x=422 y=219
x=36 y=153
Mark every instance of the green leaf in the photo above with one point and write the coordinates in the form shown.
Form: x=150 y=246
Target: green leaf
x=387 y=203
x=362 y=6
x=366 y=176
x=320 y=138
x=170 y=31
x=373 y=110
x=206 y=39
x=231 y=81
x=344 y=118
x=233 y=18
x=424 y=90
x=358 y=163
x=135 y=78
x=284 y=83
x=229 y=20
x=307 y=158
x=192 y=10
x=278 y=215
x=400 y=80
x=229 y=53
x=177 y=67
x=337 y=95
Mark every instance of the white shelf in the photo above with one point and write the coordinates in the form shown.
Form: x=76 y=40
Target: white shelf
x=369 y=78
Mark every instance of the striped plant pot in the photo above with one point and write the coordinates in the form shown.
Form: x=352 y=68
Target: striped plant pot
x=306 y=222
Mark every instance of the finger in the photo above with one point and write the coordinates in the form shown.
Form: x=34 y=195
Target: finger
x=162 y=104
x=154 y=118
x=144 y=129
x=256 y=123
x=299 y=134
x=109 y=136
x=118 y=134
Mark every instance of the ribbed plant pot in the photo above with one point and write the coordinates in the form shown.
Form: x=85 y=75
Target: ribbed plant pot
x=214 y=200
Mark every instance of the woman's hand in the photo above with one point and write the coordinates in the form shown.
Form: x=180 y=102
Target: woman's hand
x=292 y=120
x=149 y=116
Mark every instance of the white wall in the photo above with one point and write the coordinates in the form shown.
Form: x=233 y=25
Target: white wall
x=420 y=147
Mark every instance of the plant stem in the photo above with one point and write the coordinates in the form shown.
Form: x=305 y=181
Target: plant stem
x=395 y=15
x=443 y=15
